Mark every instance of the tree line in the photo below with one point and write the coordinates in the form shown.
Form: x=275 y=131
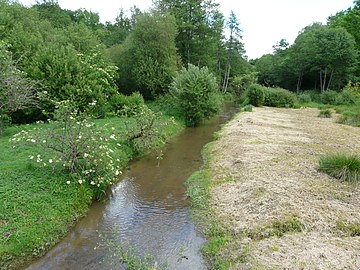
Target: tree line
x=322 y=57
x=71 y=55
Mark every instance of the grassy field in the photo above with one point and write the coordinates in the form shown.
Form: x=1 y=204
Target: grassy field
x=37 y=206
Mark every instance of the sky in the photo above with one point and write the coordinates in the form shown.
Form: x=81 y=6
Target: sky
x=264 y=22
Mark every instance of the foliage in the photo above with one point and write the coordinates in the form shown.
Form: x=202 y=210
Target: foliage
x=329 y=97
x=146 y=132
x=278 y=97
x=322 y=57
x=325 y=113
x=129 y=105
x=305 y=97
x=346 y=97
x=72 y=143
x=196 y=91
x=17 y=92
x=255 y=94
x=148 y=56
x=241 y=82
x=341 y=166
x=247 y=108
x=351 y=116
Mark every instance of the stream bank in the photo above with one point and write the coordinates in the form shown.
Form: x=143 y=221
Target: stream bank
x=148 y=211
x=271 y=207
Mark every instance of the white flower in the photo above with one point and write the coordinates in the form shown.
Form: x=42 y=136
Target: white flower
x=50 y=160
x=31 y=157
x=92 y=183
x=80 y=181
x=117 y=172
x=86 y=155
x=68 y=182
x=33 y=141
x=113 y=137
x=44 y=141
x=113 y=128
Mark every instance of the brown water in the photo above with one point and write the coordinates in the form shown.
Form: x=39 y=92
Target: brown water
x=148 y=211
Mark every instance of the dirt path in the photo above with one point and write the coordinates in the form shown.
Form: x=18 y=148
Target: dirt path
x=282 y=212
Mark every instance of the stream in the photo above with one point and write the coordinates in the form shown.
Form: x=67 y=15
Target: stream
x=148 y=211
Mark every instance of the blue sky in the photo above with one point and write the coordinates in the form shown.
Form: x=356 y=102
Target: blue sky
x=264 y=22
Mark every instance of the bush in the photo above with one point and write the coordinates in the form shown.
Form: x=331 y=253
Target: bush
x=131 y=104
x=329 y=97
x=341 y=166
x=351 y=116
x=197 y=92
x=255 y=95
x=278 y=97
x=345 y=98
x=325 y=113
x=305 y=98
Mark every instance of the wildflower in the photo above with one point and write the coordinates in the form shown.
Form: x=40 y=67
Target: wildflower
x=68 y=182
x=33 y=141
x=50 y=160
x=113 y=137
x=92 y=183
x=86 y=155
x=44 y=141
x=31 y=157
x=117 y=172
x=80 y=181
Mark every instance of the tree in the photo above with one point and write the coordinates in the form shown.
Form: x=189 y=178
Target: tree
x=234 y=51
x=148 y=56
x=17 y=92
x=196 y=90
x=198 y=24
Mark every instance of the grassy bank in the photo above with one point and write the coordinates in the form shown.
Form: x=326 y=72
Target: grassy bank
x=199 y=185
x=37 y=206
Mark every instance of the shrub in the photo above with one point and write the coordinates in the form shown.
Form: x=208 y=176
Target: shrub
x=241 y=82
x=131 y=104
x=197 y=92
x=329 y=97
x=72 y=143
x=325 y=113
x=255 y=95
x=247 y=108
x=351 y=116
x=305 y=98
x=278 y=97
x=346 y=97
x=341 y=166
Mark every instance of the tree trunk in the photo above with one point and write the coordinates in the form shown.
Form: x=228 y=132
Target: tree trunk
x=331 y=77
x=299 y=82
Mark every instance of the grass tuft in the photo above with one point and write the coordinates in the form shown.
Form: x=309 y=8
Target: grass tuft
x=341 y=166
x=325 y=113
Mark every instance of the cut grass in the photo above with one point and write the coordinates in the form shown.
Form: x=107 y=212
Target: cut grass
x=341 y=166
x=199 y=184
x=37 y=207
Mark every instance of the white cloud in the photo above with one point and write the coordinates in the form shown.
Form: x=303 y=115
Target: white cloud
x=264 y=22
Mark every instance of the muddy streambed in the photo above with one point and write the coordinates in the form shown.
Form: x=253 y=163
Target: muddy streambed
x=148 y=211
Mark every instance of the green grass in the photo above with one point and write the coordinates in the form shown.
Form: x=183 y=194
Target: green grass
x=325 y=113
x=350 y=230
x=199 y=184
x=37 y=207
x=341 y=166
x=277 y=228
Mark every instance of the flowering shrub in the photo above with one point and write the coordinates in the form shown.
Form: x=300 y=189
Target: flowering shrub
x=72 y=143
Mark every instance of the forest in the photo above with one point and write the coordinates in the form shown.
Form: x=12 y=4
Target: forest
x=80 y=98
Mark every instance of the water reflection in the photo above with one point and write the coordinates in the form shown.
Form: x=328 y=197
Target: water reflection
x=148 y=210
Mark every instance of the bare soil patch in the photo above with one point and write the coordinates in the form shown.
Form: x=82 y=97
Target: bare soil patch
x=271 y=155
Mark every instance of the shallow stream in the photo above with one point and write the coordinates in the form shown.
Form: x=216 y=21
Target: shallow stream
x=148 y=211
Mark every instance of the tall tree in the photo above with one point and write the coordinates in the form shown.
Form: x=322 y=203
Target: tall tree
x=148 y=58
x=198 y=29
